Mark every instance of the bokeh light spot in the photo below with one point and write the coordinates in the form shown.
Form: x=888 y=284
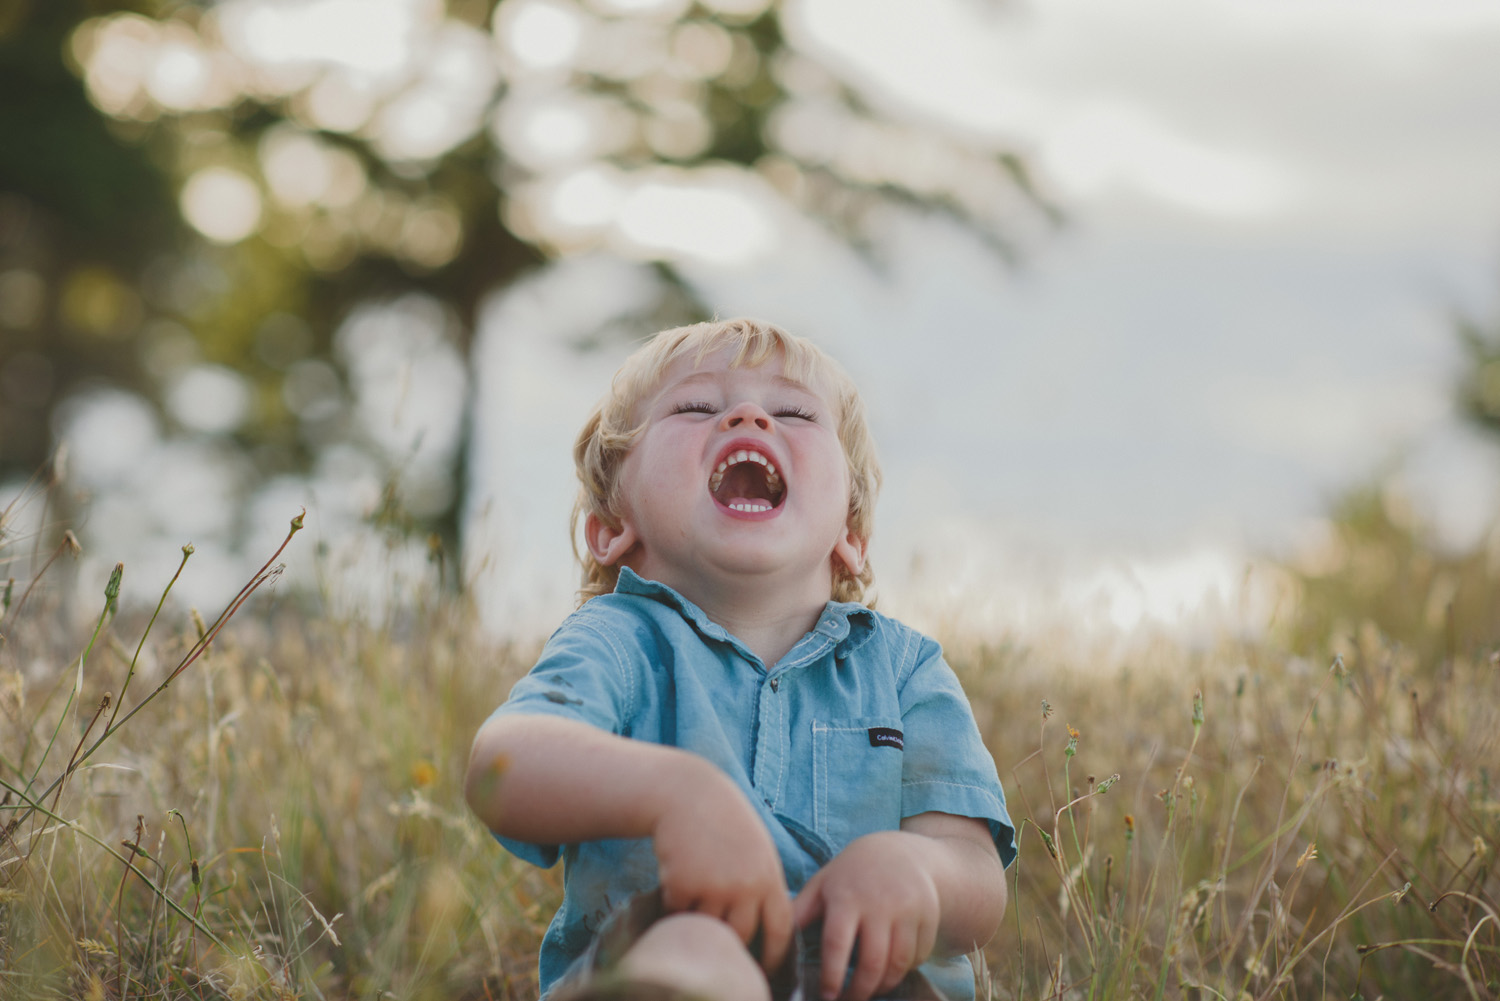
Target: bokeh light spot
x=108 y=431
x=587 y=198
x=312 y=390
x=222 y=204
x=210 y=398
x=96 y=301
x=23 y=294
x=338 y=102
x=738 y=10
x=702 y=49
x=432 y=235
x=301 y=170
x=180 y=73
x=366 y=36
x=664 y=10
x=714 y=224
x=542 y=34
x=114 y=52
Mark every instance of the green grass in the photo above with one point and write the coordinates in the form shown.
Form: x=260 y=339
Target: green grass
x=270 y=804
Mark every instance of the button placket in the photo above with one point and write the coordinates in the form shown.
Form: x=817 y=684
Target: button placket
x=768 y=745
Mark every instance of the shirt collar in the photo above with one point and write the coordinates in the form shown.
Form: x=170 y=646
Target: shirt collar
x=848 y=625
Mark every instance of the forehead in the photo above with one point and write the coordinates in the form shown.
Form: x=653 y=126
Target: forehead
x=690 y=367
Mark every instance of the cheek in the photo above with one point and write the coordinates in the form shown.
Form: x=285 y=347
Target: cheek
x=651 y=479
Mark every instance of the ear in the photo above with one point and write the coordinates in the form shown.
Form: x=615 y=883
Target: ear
x=850 y=551
x=607 y=543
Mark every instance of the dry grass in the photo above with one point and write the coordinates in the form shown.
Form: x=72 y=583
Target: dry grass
x=1289 y=831
x=284 y=818
x=290 y=810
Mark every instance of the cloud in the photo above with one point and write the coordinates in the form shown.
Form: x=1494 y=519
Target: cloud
x=1111 y=145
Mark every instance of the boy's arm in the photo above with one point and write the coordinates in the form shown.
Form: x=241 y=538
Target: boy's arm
x=935 y=886
x=549 y=780
x=970 y=878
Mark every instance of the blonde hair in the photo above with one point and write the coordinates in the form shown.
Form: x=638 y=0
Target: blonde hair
x=612 y=428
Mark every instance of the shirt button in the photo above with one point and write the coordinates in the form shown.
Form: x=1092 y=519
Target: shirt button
x=775 y=684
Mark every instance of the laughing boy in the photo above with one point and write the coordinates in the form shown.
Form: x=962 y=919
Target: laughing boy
x=760 y=787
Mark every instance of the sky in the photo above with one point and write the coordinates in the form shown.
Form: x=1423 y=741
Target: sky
x=1274 y=210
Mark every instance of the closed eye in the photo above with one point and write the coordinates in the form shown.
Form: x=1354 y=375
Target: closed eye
x=793 y=411
x=694 y=407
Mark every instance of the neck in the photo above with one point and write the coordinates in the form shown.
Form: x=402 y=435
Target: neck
x=768 y=618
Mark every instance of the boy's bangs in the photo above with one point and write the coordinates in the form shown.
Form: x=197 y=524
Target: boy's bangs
x=754 y=344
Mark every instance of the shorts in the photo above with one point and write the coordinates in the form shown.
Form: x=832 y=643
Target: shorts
x=797 y=979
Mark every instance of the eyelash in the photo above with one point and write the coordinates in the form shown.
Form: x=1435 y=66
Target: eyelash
x=700 y=407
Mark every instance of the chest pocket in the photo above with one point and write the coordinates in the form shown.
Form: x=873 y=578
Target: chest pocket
x=856 y=777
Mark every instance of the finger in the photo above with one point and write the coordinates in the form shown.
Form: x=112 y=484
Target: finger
x=839 y=928
x=743 y=917
x=776 y=931
x=902 y=956
x=809 y=902
x=674 y=900
x=926 y=942
x=874 y=949
x=714 y=908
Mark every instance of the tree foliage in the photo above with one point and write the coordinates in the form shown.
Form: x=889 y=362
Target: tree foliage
x=370 y=183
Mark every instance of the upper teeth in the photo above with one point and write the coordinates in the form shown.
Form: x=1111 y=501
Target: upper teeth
x=745 y=455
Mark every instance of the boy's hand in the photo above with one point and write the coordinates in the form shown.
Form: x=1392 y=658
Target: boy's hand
x=880 y=891
x=714 y=856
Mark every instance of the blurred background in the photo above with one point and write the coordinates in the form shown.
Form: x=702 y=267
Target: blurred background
x=1140 y=294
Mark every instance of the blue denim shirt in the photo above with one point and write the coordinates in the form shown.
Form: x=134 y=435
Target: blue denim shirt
x=862 y=723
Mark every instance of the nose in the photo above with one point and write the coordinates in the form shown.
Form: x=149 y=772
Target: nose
x=745 y=414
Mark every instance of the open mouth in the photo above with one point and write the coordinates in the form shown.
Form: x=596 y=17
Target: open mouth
x=747 y=481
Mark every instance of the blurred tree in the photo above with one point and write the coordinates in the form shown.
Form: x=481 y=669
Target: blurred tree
x=199 y=197
x=1479 y=384
x=79 y=208
x=1381 y=573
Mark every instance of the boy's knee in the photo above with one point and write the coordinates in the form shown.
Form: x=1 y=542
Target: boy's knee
x=698 y=954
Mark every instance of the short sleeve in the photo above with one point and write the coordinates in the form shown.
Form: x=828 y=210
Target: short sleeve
x=945 y=765
x=583 y=674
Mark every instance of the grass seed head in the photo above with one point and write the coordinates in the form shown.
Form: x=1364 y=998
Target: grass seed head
x=423 y=774
x=1047 y=840
x=112 y=589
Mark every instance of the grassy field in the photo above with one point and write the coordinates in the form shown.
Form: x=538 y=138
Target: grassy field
x=268 y=805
